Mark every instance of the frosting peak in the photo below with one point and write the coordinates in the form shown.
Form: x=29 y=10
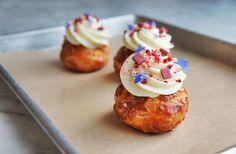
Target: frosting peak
x=149 y=73
x=147 y=35
x=87 y=31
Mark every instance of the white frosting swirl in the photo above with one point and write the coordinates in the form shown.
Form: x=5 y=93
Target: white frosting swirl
x=148 y=36
x=154 y=84
x=86 y=30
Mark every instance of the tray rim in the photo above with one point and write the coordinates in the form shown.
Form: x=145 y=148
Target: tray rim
x=63 y=145
x=57 y=137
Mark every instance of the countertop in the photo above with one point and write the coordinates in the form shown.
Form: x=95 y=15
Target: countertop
x=19 y=132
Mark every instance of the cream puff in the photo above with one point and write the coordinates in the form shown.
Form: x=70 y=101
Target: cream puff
x=146 y=34
x=86 y=44
x=151 y=96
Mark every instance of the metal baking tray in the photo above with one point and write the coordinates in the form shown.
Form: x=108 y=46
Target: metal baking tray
x=52 y=38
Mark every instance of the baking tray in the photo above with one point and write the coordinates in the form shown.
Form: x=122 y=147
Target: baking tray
x=208 y=51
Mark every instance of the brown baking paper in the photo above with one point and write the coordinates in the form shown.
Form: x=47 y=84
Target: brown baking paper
x=80 y=105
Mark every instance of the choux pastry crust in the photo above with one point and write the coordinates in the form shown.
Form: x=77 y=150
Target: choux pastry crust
x=151 y=115
x=120 y=57
x=81 y=59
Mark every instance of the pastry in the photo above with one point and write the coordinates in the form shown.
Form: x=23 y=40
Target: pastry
x=151 y=96
x=85 y=47
x=146 y=34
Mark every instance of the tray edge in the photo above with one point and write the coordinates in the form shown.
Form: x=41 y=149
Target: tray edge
x=63 y=145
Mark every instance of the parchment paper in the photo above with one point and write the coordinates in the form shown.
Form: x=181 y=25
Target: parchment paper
x=80 y=105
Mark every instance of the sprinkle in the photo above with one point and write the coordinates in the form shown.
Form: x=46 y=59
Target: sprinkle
x=164 y=52
x=86 y=16
x=153 y=23
x=140 y=24
x=139 y=48
x=78 y=20
x=138 y=58
x=154 y=53
x=165 y=72
x=157 y=59
x=130 y=27
x=169 y=58
x=67 y=24
x=178 y=80
x=139 y=78
x=182 y=63
x=165 y=61
x=148 y=52
x=100 y=28
x=170 y=66
x=162 y=30
x=144 y=81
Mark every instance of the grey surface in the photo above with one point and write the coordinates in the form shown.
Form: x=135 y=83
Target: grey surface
x=19 y=132
x=58 y=138
x=212 y=17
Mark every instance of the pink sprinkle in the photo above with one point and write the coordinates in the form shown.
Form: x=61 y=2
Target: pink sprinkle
x=165 y=72
x=78 y=20
x=170 y=58
x=162 y=30
x=144 y=81
x=138 y=58
x=86 y=17
x=178 y=80
x=140 y=24
x=170 y=66
x=165 y=61
x=154 y=53
x=157 y=59
x=148 y=52
x=164 y=52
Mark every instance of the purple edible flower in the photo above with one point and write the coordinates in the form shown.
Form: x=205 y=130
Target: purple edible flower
x=182 y=63
x=67 y=24
x=153 y=23
x=139 y=78
x=139 y=48
x=130 y=27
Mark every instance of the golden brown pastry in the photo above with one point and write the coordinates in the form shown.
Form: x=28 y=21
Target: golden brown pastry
x=146 y=34
x=151 y=97
x=81 y=59
x=120 y=57
x=151 y=115
x=85 y=47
